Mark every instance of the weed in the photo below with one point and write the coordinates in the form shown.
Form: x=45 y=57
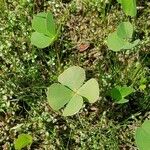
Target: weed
x=58 y=94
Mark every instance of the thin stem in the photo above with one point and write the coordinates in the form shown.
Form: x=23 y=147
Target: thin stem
x=80 y=120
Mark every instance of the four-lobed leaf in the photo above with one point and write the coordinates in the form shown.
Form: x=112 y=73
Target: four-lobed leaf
x=71 y=91
x=22 y=141
x=142 y=136
x=118 y=94
x=122 y=37
x=45 y=30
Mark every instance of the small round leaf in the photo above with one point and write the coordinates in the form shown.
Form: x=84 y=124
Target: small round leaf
x=74 y=105
x=39 y=23
x=142 y=136
x=90 y=90
x=40 y=40
x=114 y=42
x=72 y=77
x=58 y=95
x=125 y=30
x=22 y=141
x=125 y=91
x=115 y=94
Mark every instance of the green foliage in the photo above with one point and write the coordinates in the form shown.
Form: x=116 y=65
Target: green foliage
x=71 y=91
x=22 y=141
x=119 y=93
x=122 y=37
x=125 y=30
x=142 y=136
x=129 y=7
x=45 y=30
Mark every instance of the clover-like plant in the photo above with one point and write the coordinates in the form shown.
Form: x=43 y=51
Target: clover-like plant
x=70 y=91
x=122 y=38
x=142 y=136
x=118 y=94
x=45 y=30
x=22 y=141
x=129 y=7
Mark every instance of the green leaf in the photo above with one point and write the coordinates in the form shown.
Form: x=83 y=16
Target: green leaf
x=71 y=91
x=129 y=7
x=90 y=90
x=74 y=105
x=119 y=93
x=114 y=42
x=39 y=23
x=131 y=45
x=122 y=101
x=44 y=25
x=142 y=136
x=119 y=1
x=22 y=141
x=58 y=95
x=125 y=30
x=72 y=77
x=115 y=94
x=51 y=27
x=125 y=91
x=40 y=40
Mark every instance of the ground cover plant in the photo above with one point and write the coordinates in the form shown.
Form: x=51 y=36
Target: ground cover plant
x=47 y=48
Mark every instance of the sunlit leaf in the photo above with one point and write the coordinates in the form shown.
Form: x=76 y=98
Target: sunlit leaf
x=58 y=95
x=39 y=23
x=125 y=91
x=131 y=45
x=122 y=101
x=22 y=141
x=125 y=30
x=142 y=136
x=114 y=42
x=72 y=77
x=44 y=25
x=120 y=39
x=69 y=93
x=40 y=40
x=90 y=90
x=129 y=7
x=119 y=1
x=74 y=105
